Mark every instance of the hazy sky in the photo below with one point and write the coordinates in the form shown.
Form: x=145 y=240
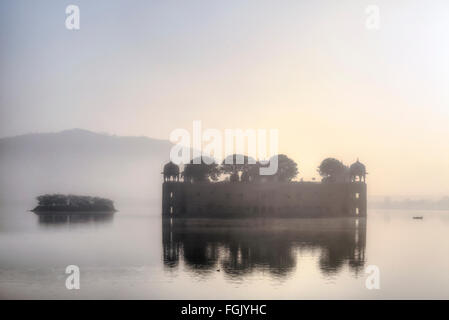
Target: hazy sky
x=309 y=68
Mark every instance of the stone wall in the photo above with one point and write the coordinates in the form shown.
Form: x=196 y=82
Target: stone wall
x=274 y=199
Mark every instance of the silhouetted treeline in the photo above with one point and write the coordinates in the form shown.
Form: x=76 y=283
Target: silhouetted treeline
x=241 y=168
x=442 y=204
x=61 y=202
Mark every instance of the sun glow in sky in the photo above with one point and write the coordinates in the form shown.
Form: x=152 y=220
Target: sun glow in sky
x=308 y=68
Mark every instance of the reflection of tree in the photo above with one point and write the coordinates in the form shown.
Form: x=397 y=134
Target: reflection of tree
x=254 y=252
x=344 y=248
x=74 y=218
x=200 y=258
x=334 y=253
x=240 y=247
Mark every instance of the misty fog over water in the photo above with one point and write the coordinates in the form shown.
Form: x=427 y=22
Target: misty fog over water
x=351 y=97
x=136 y=255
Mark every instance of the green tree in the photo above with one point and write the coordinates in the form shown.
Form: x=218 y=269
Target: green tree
x=237 y=165
x=251 y=173
x=201 y=169
x=287 y=168
x=331 y=168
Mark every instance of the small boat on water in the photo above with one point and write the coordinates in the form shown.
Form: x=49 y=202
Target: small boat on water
x=418 y=217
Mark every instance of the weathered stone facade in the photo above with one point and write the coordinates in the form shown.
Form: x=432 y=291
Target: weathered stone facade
x=264 y=199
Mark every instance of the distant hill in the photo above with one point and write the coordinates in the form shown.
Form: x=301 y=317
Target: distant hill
x=409 y=204
x=126 y=169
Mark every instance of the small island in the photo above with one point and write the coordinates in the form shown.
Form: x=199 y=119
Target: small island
x=68 y=204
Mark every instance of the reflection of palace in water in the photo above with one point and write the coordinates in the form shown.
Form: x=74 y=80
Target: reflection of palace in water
x=240 y=247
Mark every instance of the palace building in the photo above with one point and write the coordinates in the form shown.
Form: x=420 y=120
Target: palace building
x=342 y=197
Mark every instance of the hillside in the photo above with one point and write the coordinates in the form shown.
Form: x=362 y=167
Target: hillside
x=126 y=169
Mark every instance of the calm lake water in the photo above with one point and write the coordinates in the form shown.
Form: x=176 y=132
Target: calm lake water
x=136 y=255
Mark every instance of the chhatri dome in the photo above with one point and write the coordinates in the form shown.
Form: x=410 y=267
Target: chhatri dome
x=357 y=170
x=171 y=170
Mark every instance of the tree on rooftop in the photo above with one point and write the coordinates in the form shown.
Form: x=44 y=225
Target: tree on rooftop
x=236 y=165
x=287 y=168
x=331 y=168
x=201 y=169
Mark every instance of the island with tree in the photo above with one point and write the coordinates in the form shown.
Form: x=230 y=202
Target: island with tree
x=68 y=204
x=237 y=189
